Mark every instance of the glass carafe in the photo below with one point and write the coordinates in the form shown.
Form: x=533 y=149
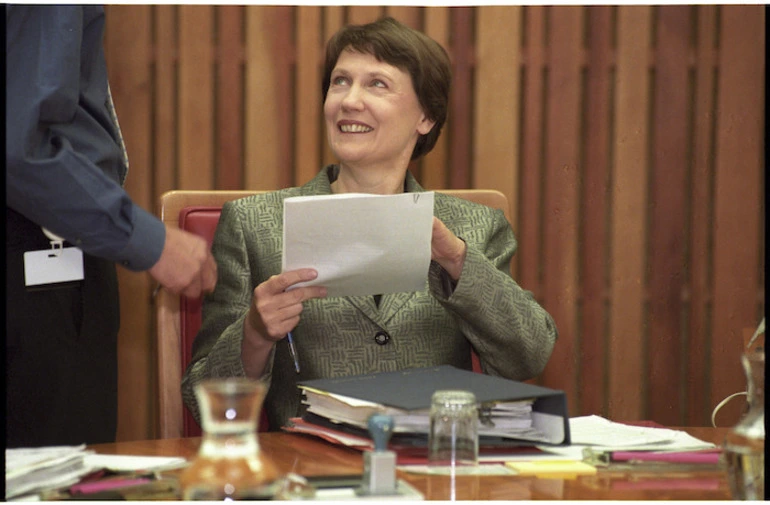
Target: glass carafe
x=229 y=464
x=744 y=447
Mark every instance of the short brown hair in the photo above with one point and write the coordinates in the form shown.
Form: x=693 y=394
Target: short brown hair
x=409 y=50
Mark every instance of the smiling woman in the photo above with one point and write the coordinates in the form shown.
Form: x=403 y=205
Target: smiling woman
x=373 y=120
x=386 y=92
x=415 y=55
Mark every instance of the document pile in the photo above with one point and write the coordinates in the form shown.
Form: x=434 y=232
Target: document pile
x=511 y=413
x=29 y=471
x=502 y=419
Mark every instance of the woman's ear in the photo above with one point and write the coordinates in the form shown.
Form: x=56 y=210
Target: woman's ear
x=425 y=125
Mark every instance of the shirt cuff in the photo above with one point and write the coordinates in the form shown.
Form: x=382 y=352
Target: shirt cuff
x=146 y=243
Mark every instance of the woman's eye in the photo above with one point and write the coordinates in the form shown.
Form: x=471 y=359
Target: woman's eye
x=377 y=83
x=338 y=80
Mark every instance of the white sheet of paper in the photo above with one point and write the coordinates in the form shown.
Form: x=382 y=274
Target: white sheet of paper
x=360 y=244
x=125 y=463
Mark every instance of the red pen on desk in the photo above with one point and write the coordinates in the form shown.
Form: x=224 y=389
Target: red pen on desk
x=108 y=485
x=705 y=457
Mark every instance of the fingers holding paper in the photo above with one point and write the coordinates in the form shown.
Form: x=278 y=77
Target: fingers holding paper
x=275 y=309
x=447 y=249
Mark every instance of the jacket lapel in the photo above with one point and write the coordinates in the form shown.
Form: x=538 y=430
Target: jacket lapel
x=392 y=303
x=389 y=306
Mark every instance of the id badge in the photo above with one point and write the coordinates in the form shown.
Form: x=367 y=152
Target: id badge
x=52 y=266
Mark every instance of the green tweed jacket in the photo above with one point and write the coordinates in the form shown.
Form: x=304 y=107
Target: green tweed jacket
x=486 y=310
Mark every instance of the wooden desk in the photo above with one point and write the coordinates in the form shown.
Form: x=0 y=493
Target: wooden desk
x=308 y=456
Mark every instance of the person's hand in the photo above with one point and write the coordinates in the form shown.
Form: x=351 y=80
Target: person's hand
x=274 y=311
x=186 y=265
x=447 y=249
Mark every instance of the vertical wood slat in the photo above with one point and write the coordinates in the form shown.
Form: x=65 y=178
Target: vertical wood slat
x=459 y=121
x=334 y=18
x=701 y=201
x=229 y=97
x=667 y=227
x=737 y=197
x=629 y=200
x=308 y=117
x=360 y=14
x=496 y=109
x=196 y=104
x=562 y=154
x=164 y=105
x=130 y=83
x=262 y=152
x=284 y=61
x=594 y=214
x=529 y=200
x=410 y=16
x=433 y=173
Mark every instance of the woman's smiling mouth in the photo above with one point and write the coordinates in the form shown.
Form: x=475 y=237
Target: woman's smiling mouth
x=354 y=128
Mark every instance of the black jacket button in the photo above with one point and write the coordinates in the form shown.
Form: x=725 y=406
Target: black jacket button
x=381 y=338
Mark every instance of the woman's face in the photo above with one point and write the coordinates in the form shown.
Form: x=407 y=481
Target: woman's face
x=373 y=117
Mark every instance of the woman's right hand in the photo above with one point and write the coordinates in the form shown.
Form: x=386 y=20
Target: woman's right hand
x=275 y=308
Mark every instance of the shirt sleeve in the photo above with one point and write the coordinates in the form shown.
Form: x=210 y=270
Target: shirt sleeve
x=63 y=162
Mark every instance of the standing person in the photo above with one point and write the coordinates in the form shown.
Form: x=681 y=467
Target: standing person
x=386 y=94
x=65 y=165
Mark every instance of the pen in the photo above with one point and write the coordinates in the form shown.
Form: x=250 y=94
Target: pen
x=293 y=351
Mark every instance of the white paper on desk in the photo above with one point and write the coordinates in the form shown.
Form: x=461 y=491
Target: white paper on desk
x=360 y=244
x=605 y=435
x=30 y=470
x=124 y=463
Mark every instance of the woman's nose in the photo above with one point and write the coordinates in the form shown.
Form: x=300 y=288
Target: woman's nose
x=353 y=98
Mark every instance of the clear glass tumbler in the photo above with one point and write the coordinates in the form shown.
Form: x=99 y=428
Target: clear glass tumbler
x=453 y=440
x=229 y=464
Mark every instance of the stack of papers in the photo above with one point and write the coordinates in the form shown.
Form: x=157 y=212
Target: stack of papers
x=30 y=471
x=33 y=470
x=511 y=413
x=504 y=419
x=604 y=436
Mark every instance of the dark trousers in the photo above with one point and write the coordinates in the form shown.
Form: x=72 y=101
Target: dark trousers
x=61 y=349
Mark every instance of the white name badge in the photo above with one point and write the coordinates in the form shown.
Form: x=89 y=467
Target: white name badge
x=52 y=266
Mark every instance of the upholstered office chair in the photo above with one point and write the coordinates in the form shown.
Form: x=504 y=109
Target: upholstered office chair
x=179 y=318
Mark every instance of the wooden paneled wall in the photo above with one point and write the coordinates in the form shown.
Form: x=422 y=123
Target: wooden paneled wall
x=628 y=139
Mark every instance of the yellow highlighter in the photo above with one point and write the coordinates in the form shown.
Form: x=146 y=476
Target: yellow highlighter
x=550 y=469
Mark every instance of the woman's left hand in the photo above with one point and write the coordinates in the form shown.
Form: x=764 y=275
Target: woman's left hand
x=447 y=249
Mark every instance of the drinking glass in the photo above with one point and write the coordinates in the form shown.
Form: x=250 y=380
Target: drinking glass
x=229 y=464
x=453 y=442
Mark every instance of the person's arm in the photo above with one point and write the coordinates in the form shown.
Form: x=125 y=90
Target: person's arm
x=241 y=325
x=62 y=158
x=64 y=163
x=511 y=332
